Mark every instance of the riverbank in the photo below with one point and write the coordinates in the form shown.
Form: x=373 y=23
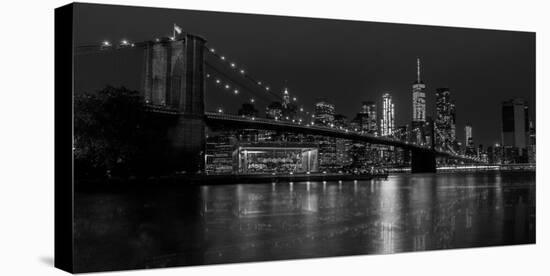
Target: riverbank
x=180 y=181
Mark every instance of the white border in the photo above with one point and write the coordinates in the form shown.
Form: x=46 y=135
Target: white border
x=26 y=145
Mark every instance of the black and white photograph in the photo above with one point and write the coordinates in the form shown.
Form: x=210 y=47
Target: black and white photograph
x=274 y=138
x=208 y=138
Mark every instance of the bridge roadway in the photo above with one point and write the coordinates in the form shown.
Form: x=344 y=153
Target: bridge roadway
x=222 y=119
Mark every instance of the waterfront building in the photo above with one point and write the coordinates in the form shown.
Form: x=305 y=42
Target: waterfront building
x=327 y=154
x=219 y=153
x=387 y=122
x=250 y=158
x=343 y=158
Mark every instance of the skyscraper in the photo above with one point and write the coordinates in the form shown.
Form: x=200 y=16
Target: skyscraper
x=286 y=98
x=387 y=121
x=365 y=121
x=324 y=112
x=290 y=110
x=515 y=123
x=515 y=126
x=453 y=122
x=369 y=108
x=445 y=118
x=419 y=97
x=468 y=139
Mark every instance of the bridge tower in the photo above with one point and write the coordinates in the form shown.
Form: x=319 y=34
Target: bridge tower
x=174 y=81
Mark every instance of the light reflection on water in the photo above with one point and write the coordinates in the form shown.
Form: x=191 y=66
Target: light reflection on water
x=233 y=223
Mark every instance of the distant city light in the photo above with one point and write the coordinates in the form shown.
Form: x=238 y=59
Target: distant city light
x=106 y=43
x=236 y=91
x=227 y=86
x=124 y=42
x=242 y=71
x=252 y=100
x=222 y=57
x=212 y=50
x=233 y=64
x=220 y=110
x=218 y=81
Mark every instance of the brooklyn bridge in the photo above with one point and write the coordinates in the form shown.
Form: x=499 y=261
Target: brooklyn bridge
x=174 y=84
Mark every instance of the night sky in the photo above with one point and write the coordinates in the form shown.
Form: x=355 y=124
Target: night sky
x=345 y=62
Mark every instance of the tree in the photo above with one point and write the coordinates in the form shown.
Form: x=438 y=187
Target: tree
x=110 y=130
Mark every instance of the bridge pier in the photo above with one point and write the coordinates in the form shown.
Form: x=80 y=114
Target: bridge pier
x=187 y=143
x=423 y=161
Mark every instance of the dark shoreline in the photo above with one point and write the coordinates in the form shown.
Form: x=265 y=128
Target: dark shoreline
x=186 y=181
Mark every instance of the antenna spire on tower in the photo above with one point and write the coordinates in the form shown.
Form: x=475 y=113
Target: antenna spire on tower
x=418 y=69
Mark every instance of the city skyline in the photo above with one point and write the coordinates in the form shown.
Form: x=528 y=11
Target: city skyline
x=208 y=138
x=374 y=63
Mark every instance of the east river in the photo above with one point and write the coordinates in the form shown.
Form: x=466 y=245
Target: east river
x=275 y=221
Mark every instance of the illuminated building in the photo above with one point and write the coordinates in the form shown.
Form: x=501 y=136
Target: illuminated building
x=468 y=139
x=342 y=152
x=365 y=120
x=531 y=148
x=387 y=121
x=402 y=133
x=445 y=119
x=286 y=98
x=273 y=158
x=369 y=108
x=290 y=110
x=419 y=97
x=219 y=153
x=324 y=113
x=327 y=154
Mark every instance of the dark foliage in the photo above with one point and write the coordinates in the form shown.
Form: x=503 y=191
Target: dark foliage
x=114 y=135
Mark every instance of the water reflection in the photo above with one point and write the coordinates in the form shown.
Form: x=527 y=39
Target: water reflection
x=234 y=223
